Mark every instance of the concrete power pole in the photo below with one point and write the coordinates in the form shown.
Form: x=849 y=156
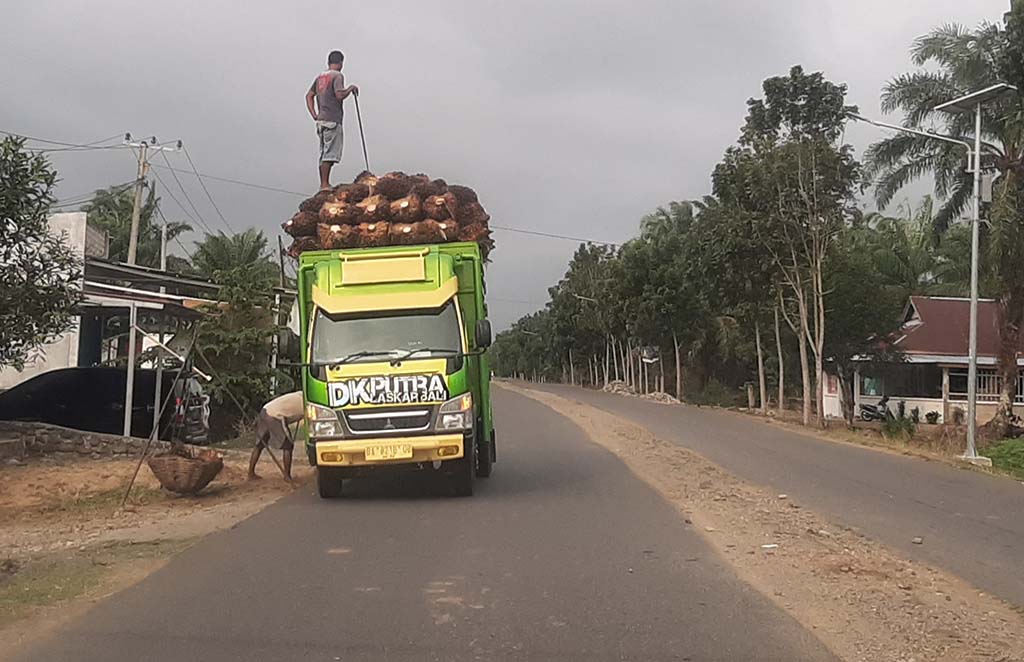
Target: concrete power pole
x=140 y=183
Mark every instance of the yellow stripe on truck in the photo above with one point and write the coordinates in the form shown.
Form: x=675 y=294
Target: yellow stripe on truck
x=363 y=303
x=352 y=453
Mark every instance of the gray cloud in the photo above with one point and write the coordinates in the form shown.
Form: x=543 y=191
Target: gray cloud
x=573 y=117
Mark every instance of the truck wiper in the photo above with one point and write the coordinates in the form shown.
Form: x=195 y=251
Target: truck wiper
x=353 y=356
x=395 y=360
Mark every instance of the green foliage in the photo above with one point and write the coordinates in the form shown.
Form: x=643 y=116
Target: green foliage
x=39 y=274
x=1008 y=456
x=111 y=210
x=234 y=344
x=901 y=426
x=220 y=257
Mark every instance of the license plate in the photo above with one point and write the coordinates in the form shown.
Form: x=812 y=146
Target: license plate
x=389 y=452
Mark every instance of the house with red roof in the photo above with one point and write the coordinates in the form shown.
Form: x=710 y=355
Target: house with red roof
x=932 y=377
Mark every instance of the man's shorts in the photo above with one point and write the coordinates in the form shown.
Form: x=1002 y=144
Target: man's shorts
x=332 y=141
x=272 y=432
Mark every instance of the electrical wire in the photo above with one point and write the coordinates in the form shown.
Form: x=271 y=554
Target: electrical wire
x=96 y=144
x=88 y=197
x=237 y=182
x=206 y=190
x=185 y=193
x=182 y=207
x=175 y=239
x=551 y=235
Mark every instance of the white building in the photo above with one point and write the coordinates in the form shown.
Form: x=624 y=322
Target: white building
x=933 y=374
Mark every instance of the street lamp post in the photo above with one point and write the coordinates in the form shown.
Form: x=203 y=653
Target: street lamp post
x=968 y=103
x=974 y=102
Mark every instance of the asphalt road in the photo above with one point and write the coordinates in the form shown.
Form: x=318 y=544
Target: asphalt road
x=972 y=523
x=562 y=555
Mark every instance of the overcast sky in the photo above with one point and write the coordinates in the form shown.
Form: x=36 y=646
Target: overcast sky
x=571 y=117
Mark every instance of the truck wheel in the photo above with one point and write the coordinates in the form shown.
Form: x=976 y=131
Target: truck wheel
x=485 y=458
x=464 y=472
x=328 y=484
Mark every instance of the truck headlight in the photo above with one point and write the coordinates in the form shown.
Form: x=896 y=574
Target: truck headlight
x=322 y=421
x=456 y=414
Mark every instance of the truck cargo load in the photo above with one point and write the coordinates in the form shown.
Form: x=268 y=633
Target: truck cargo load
x=395 y=209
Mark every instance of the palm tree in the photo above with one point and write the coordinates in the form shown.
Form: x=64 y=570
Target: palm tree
x=963 y=61
x=111 y=210
x=243 y=252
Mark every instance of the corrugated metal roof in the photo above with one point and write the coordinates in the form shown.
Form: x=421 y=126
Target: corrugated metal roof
x=941 y=326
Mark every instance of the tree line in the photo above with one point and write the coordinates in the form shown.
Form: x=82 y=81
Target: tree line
x=780 y=271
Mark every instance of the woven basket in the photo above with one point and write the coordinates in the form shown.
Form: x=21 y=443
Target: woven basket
x=184 y=471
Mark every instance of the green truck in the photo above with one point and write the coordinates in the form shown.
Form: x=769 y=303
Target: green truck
x=395 y=373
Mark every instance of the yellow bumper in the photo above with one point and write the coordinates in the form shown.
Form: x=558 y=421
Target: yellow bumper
x=353 y=452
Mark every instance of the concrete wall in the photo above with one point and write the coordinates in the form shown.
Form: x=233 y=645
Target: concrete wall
x=44 y=439
x=62 y=353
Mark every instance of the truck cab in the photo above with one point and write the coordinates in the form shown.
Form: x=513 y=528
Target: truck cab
x=395 y=373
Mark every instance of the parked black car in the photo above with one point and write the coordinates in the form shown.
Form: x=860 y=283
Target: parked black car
x=92 y=399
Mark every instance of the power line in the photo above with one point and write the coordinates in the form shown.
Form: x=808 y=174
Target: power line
x=185 y=193
x=504 y=228
x=205 y=190
x=550 y=235
x=87 y=197
x=236 y=181
x=96 y=144
x=175 y=238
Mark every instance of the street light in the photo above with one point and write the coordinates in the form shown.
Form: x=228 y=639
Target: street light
x=965 y=104
x=972 y=102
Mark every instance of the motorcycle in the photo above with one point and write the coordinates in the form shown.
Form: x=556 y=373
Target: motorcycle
x=878 y=412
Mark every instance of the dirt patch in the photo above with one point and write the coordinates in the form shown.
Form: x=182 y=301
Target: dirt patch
x=862 y=600
x=66 y=542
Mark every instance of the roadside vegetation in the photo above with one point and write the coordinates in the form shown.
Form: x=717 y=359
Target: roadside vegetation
x=781 y=271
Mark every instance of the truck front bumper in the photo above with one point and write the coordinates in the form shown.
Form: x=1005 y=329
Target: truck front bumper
x=384 y=451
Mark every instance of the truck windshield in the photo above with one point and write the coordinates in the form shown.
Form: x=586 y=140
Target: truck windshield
x=416 y=334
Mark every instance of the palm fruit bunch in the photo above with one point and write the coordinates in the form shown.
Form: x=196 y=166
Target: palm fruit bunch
x=392 y=209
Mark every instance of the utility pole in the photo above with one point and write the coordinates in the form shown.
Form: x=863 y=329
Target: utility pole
x=158 y=391
x=140 y=183
x=275 y=346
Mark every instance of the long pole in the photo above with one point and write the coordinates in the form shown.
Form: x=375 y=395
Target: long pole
x=159 y=349
x=140 y=183
x=972 y=369
x=362 y=136
x=129 y=383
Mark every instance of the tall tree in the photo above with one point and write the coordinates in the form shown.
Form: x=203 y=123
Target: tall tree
x=39 y=273
x=794 y=176
x=248 y=252
x=111 y=210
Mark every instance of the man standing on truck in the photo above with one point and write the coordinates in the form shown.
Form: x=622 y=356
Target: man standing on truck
x=328 y=92
x=272 y=430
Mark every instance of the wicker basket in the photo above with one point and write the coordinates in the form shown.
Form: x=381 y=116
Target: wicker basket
x=186 y=471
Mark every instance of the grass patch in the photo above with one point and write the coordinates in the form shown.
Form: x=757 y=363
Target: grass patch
x=66 y=576
x=105 y=501
x=1008 y=456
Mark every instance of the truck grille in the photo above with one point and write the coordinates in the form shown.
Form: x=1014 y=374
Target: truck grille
x=385 y=421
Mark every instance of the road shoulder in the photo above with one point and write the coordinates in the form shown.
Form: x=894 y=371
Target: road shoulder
x=863 y=600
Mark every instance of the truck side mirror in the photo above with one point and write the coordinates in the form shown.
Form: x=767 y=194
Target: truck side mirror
x=483 y=334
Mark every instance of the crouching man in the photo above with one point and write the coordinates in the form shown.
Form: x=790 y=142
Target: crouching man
x=272 y=430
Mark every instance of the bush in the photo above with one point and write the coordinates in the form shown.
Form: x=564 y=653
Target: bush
x=932 y=417
x=716 y=393
x=898 y=428
x=915 y=415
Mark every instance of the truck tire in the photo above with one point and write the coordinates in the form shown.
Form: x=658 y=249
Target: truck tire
x=464 y=471
x=328 y=483
x=485 y=458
